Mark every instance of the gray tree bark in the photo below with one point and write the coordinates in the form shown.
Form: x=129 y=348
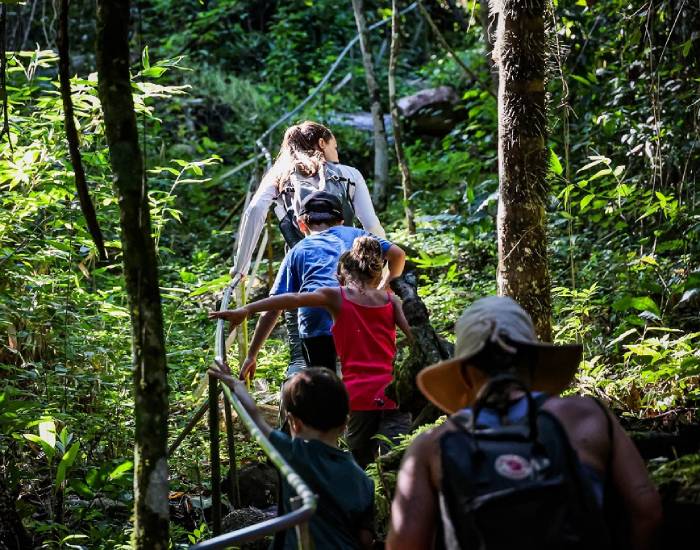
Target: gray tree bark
x=141 y=274
x=396 y=119
x=523 y=158
x=381 y=148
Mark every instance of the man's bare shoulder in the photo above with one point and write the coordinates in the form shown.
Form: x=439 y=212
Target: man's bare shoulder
x=573 y=406
x=427 y=444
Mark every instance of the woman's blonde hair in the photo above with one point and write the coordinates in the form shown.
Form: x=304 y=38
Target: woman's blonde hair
x=362 y=263
x=299 y=152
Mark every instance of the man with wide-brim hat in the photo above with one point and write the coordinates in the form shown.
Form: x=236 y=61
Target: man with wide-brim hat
x=494 y=337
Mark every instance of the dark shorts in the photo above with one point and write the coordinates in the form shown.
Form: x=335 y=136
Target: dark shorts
x=364 y=425
x=319 y=351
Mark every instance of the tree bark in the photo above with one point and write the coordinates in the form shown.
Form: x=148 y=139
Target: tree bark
x=523 y=159
x=427 y=348
x=488 y=23
x=5 y=129
x=141 y=274
x=86 y=204
x=381 y=153
x=396 y=120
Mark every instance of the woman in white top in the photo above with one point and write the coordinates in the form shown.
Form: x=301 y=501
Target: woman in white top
x=307 y=161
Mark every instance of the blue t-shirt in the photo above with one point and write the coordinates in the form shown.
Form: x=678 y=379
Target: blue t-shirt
x=345 y=493
x=312 y=264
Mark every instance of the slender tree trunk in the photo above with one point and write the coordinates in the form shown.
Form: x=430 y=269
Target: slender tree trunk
x=86 y=204
x=396 y=120
x=523 y=159
x=488 y=24
x=141 y=274
x=5 y=129
x=381 y=153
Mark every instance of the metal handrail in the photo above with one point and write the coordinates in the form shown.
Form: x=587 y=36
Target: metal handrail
x=295 y=518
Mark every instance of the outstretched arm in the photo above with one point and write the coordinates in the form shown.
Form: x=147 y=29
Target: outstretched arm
x=323 y=297
x=396 y=258
x=223 y=373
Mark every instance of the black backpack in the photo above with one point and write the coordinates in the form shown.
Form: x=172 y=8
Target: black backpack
x=515 y=486
x=329 y=179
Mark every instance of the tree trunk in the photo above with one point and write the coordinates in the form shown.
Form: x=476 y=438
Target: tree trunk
x=488 y=23
x=523 y=159
x=381 y=153
x=141 y=274
x=427 y=348
x=396 y=120
x=86 y=204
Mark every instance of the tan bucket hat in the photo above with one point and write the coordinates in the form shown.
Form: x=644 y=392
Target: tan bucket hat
x=491 y=319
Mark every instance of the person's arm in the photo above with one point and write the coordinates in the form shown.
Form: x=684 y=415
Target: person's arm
x=396 y=258
x=323 y=297
x=263 y=329
x=223 y=373
x=631 y=481
x=362 y=203
x=252 y=224
x=414 y=507
x=400 y=318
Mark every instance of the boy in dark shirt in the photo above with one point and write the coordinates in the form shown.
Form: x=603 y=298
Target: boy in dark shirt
x=317 y=408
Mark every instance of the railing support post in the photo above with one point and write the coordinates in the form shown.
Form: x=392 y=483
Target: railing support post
x=214 y=455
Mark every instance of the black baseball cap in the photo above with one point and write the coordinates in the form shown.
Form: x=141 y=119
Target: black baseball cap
x=322 y=202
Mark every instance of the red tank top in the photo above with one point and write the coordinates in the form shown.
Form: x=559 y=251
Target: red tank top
x=365 y=339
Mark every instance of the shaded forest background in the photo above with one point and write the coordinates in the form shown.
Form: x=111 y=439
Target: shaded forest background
x=208 y=79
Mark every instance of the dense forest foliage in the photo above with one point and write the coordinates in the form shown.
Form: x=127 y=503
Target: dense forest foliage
x=208 y=79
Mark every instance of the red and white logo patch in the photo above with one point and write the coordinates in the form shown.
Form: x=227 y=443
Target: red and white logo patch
x=513 y=467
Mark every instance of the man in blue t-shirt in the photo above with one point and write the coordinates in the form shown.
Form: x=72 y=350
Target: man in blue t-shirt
x=310 y=265
x=317 y=408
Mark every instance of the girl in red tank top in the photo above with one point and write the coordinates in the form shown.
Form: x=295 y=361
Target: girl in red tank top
x=364 y=332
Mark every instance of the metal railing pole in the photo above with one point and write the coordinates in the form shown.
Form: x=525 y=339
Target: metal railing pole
x=234 y=495
x=214 y=456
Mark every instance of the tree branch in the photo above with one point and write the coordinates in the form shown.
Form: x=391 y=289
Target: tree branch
x=86 y=205
x=467 y=71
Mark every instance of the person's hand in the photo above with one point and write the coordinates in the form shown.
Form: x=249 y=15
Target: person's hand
x=248 y=368
x=223 y=373
x=234 y=271
x=234 y=316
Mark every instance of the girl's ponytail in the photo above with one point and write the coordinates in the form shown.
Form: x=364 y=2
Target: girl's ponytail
x=363 y=263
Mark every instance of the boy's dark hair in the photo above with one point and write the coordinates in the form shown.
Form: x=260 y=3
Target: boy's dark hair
x=317 y=397
x=321 y=218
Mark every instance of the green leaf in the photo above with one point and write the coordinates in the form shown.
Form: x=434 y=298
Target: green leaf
x=211 y=286
x=65 y=464
x=554 y=164
x=640 y=303
x=120 y=470
x=48 y=449
x=47 y=432
x=600 y=174
x=145 y=61
x=585 y=201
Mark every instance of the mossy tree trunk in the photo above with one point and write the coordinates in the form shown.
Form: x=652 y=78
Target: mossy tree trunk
x=381 y=148
x=523 y=158
x=141 y=274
